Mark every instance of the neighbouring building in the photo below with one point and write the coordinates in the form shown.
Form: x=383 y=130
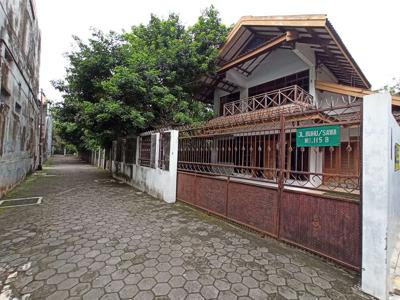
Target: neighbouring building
x=19 y=81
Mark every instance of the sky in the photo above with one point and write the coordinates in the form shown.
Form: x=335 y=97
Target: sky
x=369 y=29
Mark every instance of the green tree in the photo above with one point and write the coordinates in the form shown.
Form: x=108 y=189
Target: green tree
x=394 y=87
x=119 y=84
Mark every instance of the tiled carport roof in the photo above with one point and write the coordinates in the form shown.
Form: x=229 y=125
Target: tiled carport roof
x=264 y=119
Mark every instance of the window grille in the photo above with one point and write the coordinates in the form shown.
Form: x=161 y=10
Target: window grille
x=164 y=150
x=145 y=151
x=130 y=150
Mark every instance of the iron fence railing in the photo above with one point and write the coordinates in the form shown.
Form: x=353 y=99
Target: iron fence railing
x=267 y=151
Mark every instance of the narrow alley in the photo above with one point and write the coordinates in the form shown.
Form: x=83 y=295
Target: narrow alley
x=96 y=238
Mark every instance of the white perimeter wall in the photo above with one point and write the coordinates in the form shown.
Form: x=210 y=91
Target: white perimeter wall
x=381 y=194
x=394 y=192
x=154 y=181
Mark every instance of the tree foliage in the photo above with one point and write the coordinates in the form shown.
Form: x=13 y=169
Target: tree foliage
x=394 y=87
x=120 y=84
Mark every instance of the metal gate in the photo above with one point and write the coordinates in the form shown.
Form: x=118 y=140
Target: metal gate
x=249 y=168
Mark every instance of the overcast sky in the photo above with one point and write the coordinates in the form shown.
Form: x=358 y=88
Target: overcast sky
x=369 y=29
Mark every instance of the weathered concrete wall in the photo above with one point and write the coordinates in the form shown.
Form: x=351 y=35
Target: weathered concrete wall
x=19 y=81
x=48 y=137
x=381 y=190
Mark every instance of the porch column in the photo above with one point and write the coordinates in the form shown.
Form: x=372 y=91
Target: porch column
x=173 y=166
x=99 y=158
x=137 y=151
x=217 y=103
x=123 y=149
x=157 y=152
x=102 y=157
x=244 y=92
x=312 y=90
x=305 y=53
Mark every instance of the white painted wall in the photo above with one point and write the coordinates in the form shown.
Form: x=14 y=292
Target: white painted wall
x=154 y=181
x=381 y=205
x=394 y=194
x=307 y=55
x=279 y=63
x=324 y=74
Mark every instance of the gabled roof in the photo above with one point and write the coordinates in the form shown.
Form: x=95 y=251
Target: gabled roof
x=253 y=33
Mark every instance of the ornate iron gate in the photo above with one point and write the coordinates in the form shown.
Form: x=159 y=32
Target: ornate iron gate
x=248 y=168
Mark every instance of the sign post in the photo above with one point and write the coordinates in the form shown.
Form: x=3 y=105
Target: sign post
x=319 y=136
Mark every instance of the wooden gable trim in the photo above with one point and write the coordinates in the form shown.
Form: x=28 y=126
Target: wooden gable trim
x=346 y=53
x=268 y=46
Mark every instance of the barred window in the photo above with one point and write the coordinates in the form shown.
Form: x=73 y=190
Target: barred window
x=164 y=149
x=114 y=151
x=118 y=154
x=153 y=151
x=130 y=150
x=107 y=154
x=145 y=151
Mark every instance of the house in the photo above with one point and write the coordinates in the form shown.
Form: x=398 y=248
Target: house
x=283 y=153
x=19 y=81
x=292 y=63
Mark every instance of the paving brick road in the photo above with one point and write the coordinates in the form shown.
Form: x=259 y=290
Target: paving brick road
x=96 y=238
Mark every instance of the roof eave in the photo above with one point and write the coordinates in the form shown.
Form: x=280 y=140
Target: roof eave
x=346 y=52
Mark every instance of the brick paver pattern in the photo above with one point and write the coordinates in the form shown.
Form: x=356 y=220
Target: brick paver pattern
x=96 y=238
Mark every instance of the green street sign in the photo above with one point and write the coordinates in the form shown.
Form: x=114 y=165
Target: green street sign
x=321 y=136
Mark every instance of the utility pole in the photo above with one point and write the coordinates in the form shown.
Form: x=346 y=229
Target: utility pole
x=41 y=131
